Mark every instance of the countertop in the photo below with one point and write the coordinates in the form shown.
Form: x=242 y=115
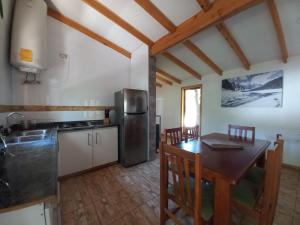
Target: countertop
x=30 y=169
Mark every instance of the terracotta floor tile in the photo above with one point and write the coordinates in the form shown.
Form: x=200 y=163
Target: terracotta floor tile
x=130 y=196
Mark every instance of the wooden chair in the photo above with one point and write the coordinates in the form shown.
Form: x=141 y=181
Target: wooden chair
x=248 y=197
x=175 y=135
x=188 y=193
x=191 y=132
x=241 y=132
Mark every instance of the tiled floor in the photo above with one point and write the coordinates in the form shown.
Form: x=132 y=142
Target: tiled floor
x=119 y=196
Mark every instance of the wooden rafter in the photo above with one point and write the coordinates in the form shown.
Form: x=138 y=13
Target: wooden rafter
x=167 y=75
x=118 y=20
x=182 y=65
x=158 y=84
x=234 y=45
x=205 y=4
x=278 y=26
x=151 y=9
x=60 y=17
x=158 y=77
x=158 y=15
x=198 y=52
x=219 y=11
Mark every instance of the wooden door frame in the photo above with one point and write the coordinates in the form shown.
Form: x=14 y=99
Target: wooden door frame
x=182 y=102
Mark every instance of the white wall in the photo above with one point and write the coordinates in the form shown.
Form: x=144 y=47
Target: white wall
x=139 y=76
x=268 y=121
x=5 y=69
x=168 y=101
x=81 y=71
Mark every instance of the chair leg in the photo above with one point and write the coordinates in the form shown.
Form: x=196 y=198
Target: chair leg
x=163 y=214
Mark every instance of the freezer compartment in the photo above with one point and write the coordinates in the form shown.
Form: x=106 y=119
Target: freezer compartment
x=135 y=101
x=135 y=139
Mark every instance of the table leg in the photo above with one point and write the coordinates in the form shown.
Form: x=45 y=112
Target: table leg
x=261 y=161
x=222 y=202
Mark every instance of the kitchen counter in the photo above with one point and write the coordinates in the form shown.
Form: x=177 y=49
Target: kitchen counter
x=30 y=169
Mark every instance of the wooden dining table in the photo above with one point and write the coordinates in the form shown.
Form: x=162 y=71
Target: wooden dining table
x=225 y=167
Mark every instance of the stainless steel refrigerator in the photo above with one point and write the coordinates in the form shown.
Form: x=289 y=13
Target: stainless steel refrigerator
x=132 y=115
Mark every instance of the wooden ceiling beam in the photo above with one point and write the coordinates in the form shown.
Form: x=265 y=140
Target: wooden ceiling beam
x=219 y=11
x=205 y=5
x=198 y=52
x=158 y=77
x=151 y=9
x=167 y=75
x=234 y=45
x=158 y=84
x=60 y=17
x=118 y=20
x=158 y=15
x=278 y=27
x=182 y=65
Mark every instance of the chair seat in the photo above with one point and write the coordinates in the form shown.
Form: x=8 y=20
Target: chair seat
x=246 y=193
x=256 y=175
x=207 y=198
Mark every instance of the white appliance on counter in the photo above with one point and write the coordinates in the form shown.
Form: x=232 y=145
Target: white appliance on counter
x=29 y=36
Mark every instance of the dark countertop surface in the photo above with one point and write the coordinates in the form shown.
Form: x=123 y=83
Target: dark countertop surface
x=30 y=170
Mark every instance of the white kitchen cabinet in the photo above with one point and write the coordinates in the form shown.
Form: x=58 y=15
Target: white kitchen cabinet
x=84 y=149
x=33 y=215
x=105 y=148
x=75 y=151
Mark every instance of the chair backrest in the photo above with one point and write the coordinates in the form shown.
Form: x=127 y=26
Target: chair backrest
x=192 y=132
x=175 y=135
x=272 y=182
x=176 y=168
x=241 y=132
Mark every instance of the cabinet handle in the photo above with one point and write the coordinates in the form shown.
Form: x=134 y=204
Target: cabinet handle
x=96 y=138
x=89 y=139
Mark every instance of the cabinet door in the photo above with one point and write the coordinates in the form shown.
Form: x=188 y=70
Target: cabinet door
x=105 y=146
x=33 y=215
x=75 y=151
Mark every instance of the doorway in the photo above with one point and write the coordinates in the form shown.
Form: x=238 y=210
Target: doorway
x=191 y=101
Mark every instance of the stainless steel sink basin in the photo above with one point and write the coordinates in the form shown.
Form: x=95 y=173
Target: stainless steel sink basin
x=27 y=136
x=30 y=133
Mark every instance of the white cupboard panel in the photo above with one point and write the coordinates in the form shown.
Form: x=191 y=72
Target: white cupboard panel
x=75 y=151
x=105 y=146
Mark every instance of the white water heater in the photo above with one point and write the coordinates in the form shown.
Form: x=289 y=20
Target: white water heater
x=29 y=36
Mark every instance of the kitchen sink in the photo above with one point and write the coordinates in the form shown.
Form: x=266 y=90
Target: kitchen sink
x=30 y=133
x=27 y=137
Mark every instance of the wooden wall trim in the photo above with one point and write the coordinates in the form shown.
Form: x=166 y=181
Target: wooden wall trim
x=46 y=108
x=60 y=17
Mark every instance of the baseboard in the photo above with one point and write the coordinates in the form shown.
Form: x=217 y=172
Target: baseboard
x=61 y=178
x=293 y=167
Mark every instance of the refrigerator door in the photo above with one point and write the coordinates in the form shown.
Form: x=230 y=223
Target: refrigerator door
x=135 y=101
x=135 y=139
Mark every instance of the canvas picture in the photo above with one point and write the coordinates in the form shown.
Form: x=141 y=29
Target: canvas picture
x=256 y=90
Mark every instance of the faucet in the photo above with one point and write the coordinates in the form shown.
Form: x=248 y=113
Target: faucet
x=10 y=115
x=4 y=149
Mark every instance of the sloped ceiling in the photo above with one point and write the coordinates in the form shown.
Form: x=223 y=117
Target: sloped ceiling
x=253 y=29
